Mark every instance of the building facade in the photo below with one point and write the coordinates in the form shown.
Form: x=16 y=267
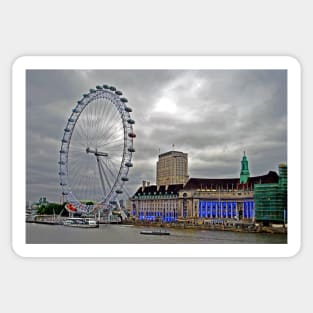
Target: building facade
x=207 y=199
x=156 y=203
x=224 y=198
x=172 y=168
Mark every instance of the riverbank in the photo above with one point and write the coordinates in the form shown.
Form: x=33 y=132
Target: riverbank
x=231 y=227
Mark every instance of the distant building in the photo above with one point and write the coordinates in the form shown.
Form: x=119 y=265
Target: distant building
x=42 y=201
x=172 y=168
x=32 y=207
x=203 y=198
x=28 y=208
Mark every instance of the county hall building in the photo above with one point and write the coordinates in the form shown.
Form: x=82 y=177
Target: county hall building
x=176 y=197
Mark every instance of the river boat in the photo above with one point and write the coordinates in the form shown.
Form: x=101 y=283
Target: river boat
x=81 y=222
x=155 y=232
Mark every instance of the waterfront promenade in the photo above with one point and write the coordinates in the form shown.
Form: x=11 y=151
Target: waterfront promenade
x=197 y=224
x=243 y=227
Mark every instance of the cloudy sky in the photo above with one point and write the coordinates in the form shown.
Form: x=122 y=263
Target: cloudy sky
x=213 y=115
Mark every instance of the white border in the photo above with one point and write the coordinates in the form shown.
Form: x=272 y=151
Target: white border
x=155 y=250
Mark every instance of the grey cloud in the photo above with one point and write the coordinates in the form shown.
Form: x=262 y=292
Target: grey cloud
x=219 y=115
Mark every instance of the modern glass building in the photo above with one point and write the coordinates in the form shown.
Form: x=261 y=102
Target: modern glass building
x=271 y=199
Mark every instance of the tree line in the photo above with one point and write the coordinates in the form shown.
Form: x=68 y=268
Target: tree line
x=52 y=208
x=55 y=208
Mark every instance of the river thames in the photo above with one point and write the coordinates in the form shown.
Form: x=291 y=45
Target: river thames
x=128 y=234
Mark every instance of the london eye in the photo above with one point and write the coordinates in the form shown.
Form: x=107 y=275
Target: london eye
x=96 y=150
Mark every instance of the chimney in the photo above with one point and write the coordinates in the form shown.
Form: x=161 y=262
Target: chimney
x=143 y=185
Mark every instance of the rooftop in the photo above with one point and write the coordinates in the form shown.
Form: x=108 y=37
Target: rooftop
x=209 y=183
x=153 y=189
x=171 y=152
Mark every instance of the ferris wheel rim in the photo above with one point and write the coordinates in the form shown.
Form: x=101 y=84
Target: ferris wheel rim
x=120 y=103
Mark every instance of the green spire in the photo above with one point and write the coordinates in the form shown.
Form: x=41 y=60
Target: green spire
x=244 y=174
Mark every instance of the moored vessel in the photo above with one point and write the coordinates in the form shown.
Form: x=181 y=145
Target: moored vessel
x=81 y=222
x=153 y=232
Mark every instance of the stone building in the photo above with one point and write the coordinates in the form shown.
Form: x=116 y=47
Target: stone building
x=156 y=203
x=201 y=198
x=172 y=168
x=221 y=198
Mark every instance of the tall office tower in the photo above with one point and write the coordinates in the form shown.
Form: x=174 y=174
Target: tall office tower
x=172 y=168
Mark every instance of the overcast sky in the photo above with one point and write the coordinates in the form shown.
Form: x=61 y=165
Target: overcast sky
x=213 y=115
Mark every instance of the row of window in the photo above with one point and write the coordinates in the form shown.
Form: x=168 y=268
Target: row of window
x=156 y=196
x=213 y=209
x=156 y=214
x=224 y=204
x=216 y=204
x=158 y=205
x=153 y=216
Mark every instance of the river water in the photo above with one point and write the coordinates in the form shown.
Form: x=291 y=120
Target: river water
x=121 y=234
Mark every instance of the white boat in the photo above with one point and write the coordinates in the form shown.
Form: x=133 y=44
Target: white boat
x=81 y=222
x=151 y=232
x=158 y=232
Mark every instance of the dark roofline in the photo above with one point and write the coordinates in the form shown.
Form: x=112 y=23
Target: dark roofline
x=170 y=152
x=159 y=190
x=195 y=183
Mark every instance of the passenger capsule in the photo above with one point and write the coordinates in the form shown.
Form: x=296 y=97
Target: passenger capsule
x=124 y=178
x=61 y=173
x=64 y=193
x=63 y=184
x=75 y=110
x=131 y=149
x=130 y=121
x=67 y=130
x=119 y=93
x=119 y=191
x=106 y=86
x=64 y=141
x=92 y=90
x=71 y=120
x=61 y=162
x=129 y=164
x=128 y=109
x=99 y=87
x=112 y=88
x=79 y=102
x=132 y=135
x=85 y=95
x=62 y=151
x=124 y=100
x=112 y=202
